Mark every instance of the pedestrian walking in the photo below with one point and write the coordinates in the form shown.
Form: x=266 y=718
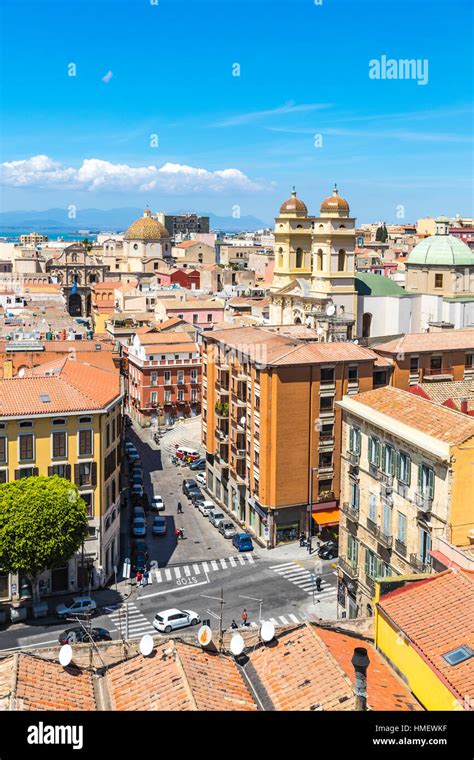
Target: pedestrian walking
x=181 y=533
x=318 y=583
x=244 y=617
x=139 y=578
x=177 y=533
x=180 y=508
x=302 y=539
x=234 y=624
x=146 y=576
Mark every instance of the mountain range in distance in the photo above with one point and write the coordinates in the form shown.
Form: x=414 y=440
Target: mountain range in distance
x=116 y=219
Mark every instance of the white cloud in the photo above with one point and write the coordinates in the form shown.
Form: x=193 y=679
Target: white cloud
x=287 y=108
x=96 y=174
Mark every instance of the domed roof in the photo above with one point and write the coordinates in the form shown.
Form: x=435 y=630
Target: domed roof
x=441 y=250
x=293 y=205
x=334 y=202
x=146 y=228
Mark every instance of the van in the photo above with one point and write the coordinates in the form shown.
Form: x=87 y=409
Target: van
x=186 y=453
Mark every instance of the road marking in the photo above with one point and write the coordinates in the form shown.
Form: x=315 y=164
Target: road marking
x=293 y=617
x=295 y=574
x=171 y=591
x=25 y=646
x=241 y=560
x=158 y=575
x=232 y=561
x=187 y=571
x=250 y=559
x=197 y=570
x=177 y=572
x=214 y=564
x=283 y=620
x=223 y=564
x=285 y=564
x=168 y=575
x=206 y=567
x=274 y=621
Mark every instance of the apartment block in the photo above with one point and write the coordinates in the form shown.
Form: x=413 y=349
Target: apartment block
x=67 y=424
x=406 y=468
x=270 y=419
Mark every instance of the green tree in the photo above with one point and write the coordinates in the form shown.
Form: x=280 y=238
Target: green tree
x=87 y=245
x=43 y=521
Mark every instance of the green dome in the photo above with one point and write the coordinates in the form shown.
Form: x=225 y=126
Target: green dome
x=441 y=250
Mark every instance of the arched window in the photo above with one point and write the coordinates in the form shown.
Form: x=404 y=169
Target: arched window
x=320 y=260
x=74 y=257
x=299 y=258
x=341 y=261
x=280 y=258
x=366 y=323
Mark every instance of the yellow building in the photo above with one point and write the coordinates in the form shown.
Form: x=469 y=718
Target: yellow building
x=68 y=423
x=425 y=629
x=406 y=470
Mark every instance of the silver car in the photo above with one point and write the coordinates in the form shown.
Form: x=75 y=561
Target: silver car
x=227 y=529
x=216 y=516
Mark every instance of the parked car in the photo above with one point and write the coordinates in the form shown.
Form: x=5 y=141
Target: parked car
x=195 y=495
x=78 y=635
x=133 y=454
x=216 y=516
x=137 y=469
x=201 y=478
x=137 y=491
x=139 y=545
x=139 y=560
x=138 y=512
x=227 y=529
x=80 y=605
x=169 y=620
x=242 y=542
x=134 y=464
x=137 y=478
x=159 y=526
x=139 y=527
x=205 y=507
x=198 y=464
x=157 y=503
x=188 y=485
x=328 y=550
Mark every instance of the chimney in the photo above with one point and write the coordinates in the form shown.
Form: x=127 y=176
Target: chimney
x=464 y=405
x=360 y=661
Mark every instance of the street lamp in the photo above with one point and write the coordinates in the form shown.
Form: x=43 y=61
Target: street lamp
x=310 y=509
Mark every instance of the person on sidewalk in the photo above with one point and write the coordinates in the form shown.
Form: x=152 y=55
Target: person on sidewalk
x=146 y=575
x=177 y=533
x=244 y=617
x=318 y=583
x=181 y=533
x=234 y=624
x=180 y=508
x=302 y=539
x=139 y=578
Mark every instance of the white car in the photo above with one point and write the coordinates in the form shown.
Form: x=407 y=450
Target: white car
x=205 y=507
x=216 y=516
x=80 y=605
x=167 y=621
x=201 y=478
x=157 y=503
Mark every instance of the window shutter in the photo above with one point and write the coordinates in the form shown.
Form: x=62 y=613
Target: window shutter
x=50 y=471
x=367 y=570
x=68 y=472
x=408 y=472
x=399 y=465
x=377 y=453
x=430 y=483
x=17 y=474
x=35 y=471
x=420 y=478
x=77 y=476
x=94 y=474
x=358 y=437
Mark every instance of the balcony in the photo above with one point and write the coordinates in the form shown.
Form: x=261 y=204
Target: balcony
x=222 y=410
x=370 y=583
x=419 y=564
x=349 y=568
x=353 y=458
x=423 y=502
x=374 y=471
x=371 y=526
x=387 y=480
x=240 y=475
x=383 y=538
x=445 y=372
x=222 y=390
x=220 y=461
x=400 y=548
x=351 y=510
x=326 y=440
x=386 y=492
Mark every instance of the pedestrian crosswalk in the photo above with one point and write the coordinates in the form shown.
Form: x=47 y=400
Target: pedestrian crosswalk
x=305 y=580
x=288 y=619
x=182 y=572
x=138 y=625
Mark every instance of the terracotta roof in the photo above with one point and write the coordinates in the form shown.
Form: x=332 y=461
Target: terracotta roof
x=280 y=350
x=437 y=421
x=77 y=387
x=45 y=685
x=437 y=616
x=292 y=205
x=384 y=689
x=188 y=243
x=172 y=348
x=167 y=337
x=179 y=677
x=96 y=359
x=171 y=322
x=446 y=340
x=107 y=285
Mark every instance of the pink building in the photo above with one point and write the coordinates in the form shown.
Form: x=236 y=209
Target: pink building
x=201 y=313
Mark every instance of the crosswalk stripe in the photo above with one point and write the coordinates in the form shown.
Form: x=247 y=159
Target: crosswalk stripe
x=214 y=564
x=206 y=567
x=241 y=560
x=158 y=575
x=285 y=564
x=232 y=561
x=168 y=574
x=293 y=617
x=250 y=559
x=196 y=569
x=296 y=574
x=283 y=620
x=187 y=571
x=177 y=572
x=274 y=621
x=223 y=564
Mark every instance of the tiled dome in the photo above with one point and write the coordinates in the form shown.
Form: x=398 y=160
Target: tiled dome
x=334 y=202
x=146 y=228
x=293 y=205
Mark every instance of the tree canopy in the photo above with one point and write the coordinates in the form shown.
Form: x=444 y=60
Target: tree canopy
x=43 y=522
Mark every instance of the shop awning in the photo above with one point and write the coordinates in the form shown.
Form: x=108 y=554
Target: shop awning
x=327 y=517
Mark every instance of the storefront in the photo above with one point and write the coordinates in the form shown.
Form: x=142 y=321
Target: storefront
x=326 y=521
x=287 y=532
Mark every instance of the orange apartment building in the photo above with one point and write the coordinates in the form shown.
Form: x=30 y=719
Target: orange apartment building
x=26 y=354
x=270 y=419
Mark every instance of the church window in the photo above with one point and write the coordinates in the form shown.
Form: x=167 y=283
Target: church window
x=341 y=261
x=299 y=258
x=135 y=247
x=320 y=260
x=280 y=257
x=438 y=280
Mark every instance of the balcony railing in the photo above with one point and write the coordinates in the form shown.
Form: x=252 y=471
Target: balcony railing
x=423 y=502
x=326 y=440
x=446 y=369
x=386 y=479
x=371 y=526
x=349 y=568
x=370 y=583
x=374 y=471
x=400 y=548
x=351 y=510
x=383 y=538
x=419 y=564
x=353 y=458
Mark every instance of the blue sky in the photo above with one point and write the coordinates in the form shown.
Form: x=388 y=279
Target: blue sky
x=303 y=72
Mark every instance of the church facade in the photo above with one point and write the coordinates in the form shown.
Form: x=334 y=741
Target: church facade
x=314 y=275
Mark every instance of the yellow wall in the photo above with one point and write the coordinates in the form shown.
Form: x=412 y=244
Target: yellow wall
x=421 y=679
x=461 y=515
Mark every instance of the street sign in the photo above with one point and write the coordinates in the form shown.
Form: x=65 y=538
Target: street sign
x=126 y=568
x=266 y=532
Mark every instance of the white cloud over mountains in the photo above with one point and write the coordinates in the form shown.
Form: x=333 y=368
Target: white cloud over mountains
x=96 y=174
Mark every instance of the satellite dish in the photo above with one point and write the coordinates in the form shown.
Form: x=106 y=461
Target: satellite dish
x=267 y=631
x=320 y=330
x=146 y=645
x=204 y=635
x=243 y=421
x=65 y=655
x=356 y=341
x=237 y=644
x=21 y=372
x=330 y=310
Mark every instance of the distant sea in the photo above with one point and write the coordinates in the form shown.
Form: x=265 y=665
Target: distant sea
x=13 y=236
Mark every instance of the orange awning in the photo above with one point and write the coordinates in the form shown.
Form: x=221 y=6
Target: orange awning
x=327 y=517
